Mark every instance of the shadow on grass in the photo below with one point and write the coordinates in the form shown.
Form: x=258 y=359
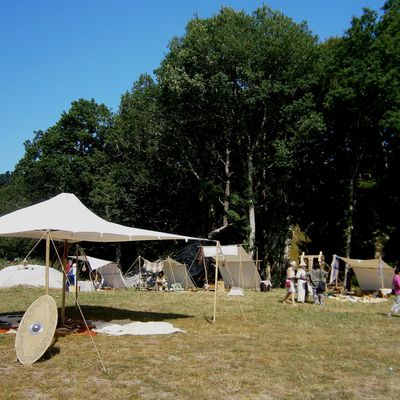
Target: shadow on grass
x=110 y=313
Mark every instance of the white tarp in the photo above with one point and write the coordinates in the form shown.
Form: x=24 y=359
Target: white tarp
x=212 y=251
x=29 y=275
x=68 y=219
x=135 y=328
x=373 y=274
x=94 y=263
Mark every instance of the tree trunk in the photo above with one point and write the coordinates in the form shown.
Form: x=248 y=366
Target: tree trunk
x=252 y=215
x=349 y=219
x=227 y=164
x=348 y=231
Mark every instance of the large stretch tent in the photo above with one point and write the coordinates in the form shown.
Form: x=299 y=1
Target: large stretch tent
x=65 y=218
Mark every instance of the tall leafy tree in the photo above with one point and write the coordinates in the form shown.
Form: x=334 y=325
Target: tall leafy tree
x=359 y=103
x=238 y=97
x=68 y=156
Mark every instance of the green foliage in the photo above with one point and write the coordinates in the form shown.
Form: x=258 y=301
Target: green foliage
x=244 y=110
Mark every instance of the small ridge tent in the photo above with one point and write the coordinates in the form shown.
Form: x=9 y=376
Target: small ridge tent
x=237 y=268
x=110 y=273
x=177 y=273
x=371 y=274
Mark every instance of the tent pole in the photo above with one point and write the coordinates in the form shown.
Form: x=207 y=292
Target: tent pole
x=76 y=275
x=64 y=281
x=346 y=271
x=381 y=272
x=204 y=264
x=46 y=278
x=216 y=282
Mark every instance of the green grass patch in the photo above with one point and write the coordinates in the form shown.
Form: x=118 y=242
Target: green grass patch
x=258 y=349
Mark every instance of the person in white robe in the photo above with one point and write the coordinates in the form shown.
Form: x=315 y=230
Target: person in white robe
x=301 y=277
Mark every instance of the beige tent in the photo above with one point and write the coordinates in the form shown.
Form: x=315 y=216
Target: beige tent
x=177 y=273
x=109 y=271
x=372 y=274
x=237 y=268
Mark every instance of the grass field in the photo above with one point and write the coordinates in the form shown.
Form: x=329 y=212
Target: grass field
x=259 y=348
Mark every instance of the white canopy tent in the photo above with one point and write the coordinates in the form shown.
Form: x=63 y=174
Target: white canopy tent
x=65 y=218
x=373 y=274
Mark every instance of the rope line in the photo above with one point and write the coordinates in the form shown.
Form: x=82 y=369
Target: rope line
x=80 y=310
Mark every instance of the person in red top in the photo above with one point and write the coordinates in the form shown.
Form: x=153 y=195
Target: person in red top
x=396 y=291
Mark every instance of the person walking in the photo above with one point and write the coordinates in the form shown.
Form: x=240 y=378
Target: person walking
x=289 y=282
x=396 y=291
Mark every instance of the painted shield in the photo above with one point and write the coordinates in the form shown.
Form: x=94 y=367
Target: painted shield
x=36 y=330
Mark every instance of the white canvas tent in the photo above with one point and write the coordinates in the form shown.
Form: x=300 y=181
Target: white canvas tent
x=371 y=274
x=110 y=273
x=237 y=268
x=65 y=218
x=177 y=273
x=29 y=275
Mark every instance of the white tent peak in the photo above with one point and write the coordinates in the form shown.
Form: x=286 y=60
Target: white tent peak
x=66 y=218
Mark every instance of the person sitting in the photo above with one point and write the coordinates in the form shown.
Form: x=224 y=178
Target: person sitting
x=161 y=281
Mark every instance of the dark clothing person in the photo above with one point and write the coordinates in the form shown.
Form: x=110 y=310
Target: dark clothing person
x=317 y=278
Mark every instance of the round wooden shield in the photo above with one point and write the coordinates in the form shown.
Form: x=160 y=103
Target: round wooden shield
x=36 y=330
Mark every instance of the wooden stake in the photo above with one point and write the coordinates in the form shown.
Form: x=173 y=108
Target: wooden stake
x=216 y=281
x=46 y=278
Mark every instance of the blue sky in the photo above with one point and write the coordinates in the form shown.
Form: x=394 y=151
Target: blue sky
x=53 y=52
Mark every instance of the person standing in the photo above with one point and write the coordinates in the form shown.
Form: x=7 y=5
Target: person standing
x=317 y=278
x=289 y=282
x=301 y=277
x=72 y=275
x=396 y=291
x=68 y=267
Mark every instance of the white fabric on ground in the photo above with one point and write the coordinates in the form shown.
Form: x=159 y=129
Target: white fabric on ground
x=135 y=328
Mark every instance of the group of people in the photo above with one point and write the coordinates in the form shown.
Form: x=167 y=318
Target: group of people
x=303 y=283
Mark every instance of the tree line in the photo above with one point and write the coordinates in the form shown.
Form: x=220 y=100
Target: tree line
x=251 y=130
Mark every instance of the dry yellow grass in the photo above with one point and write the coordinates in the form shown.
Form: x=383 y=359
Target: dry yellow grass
x=258 y=349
